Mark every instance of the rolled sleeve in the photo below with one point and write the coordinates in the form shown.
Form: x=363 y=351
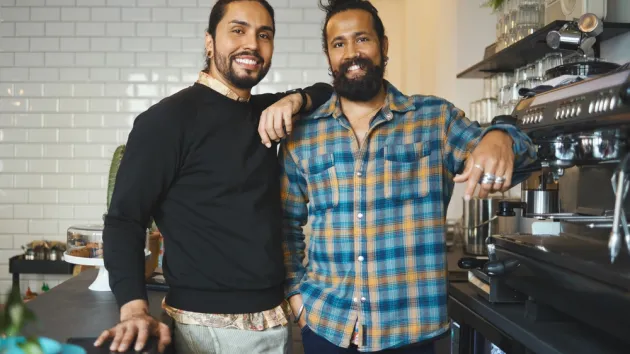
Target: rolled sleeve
x=461 y=136
x=294 y=217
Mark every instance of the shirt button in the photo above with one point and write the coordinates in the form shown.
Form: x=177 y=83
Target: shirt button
x=363 y=299
x=355 y=299
x=359 y=174
x=389 y=115
x=360 y=215
x=360 y=258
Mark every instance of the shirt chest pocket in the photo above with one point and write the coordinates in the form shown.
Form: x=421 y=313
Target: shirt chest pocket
x=323 y=186
x=406 y=171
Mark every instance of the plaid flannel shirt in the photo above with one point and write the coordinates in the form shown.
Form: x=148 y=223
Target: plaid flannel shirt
x=377 y=252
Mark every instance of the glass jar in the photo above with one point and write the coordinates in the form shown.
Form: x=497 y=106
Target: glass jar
x=85 y=241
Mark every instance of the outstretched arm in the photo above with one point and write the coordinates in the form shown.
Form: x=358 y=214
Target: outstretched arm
x=472 y=152
x=276 y=120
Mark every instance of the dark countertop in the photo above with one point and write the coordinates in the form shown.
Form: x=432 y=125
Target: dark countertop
x=560 y=337
x=72 y=310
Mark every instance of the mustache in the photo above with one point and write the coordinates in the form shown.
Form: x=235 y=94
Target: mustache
x=364 y=63
x=248 y=53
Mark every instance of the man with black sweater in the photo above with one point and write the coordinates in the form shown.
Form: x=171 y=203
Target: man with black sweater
x=195 y=163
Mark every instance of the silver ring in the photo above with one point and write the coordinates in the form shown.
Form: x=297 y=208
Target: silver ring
x=499 y=180
x=478 y=166
x=488 y=178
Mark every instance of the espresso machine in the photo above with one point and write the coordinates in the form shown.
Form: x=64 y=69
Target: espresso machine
x=582 y=132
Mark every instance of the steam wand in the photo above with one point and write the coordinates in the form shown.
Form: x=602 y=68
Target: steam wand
x=620 y=189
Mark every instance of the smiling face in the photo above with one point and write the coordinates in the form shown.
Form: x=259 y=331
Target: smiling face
x=243 y=45
x=355 y=55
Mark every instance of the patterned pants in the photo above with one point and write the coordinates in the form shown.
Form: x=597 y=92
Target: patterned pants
x=195 y=339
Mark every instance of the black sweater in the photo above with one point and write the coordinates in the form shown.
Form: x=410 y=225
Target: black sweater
x=195 y=162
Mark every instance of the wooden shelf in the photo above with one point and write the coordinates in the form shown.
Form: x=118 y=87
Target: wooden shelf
x=19 y=265
x=530 y=49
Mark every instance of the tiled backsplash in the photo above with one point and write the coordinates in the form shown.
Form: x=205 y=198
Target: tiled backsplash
x=73 y=76
x=75 y=73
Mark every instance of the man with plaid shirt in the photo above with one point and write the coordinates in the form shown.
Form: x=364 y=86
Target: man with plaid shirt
x=373 y=170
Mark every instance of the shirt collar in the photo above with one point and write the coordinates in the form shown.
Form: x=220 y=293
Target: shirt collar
x=207 y=80
x=395 y=101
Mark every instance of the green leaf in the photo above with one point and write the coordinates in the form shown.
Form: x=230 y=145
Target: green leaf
x=15 y=314
x=494 y=4
x=31 y=346
x=113 y=171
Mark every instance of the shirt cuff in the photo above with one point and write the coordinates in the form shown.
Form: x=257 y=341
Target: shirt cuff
x=129 y=290
x=518 y=146
x=292 y=293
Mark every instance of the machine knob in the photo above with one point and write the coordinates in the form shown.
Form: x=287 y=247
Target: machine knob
x=471 y=263
x=598 y=105
x=494 y=268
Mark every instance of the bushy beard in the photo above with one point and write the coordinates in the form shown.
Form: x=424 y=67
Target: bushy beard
x=362 y=88
x=225 y=67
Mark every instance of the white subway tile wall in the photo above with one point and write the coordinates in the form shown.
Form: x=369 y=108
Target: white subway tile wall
x=73 y=76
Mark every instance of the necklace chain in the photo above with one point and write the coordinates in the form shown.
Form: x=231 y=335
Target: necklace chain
x=367 y=115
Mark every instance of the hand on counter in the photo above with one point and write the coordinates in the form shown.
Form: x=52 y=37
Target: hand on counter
x=135 y=324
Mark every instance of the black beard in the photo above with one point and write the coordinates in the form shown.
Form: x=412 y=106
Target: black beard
x=361 y=89
x=225 y=68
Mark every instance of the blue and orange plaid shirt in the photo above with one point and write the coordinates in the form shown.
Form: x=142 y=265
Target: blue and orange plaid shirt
x=377 y=253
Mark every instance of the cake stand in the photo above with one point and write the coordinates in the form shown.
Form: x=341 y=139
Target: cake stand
x=101 y=283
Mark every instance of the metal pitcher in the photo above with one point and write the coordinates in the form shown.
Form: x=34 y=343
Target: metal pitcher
x=479 y=221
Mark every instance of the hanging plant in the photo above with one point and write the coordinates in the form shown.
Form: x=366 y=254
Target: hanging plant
x=494 y=4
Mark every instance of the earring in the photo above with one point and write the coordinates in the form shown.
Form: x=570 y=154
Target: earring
x=209 y=55
x=330 y=71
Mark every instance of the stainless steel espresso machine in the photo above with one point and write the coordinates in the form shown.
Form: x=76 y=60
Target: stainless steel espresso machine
x=582 y=132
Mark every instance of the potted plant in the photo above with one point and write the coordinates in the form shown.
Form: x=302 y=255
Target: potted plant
x=154 y=238
x=13 y=318
x=111 y=180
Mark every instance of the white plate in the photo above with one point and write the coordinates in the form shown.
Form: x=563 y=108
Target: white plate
x=101 y=283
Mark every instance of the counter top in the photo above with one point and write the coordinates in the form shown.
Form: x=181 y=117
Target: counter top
x=70 y=309
x=559 y=337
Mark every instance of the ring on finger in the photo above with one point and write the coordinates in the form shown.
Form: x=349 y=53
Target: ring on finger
x=499 y=180
x=478 y=166
x=488 y=178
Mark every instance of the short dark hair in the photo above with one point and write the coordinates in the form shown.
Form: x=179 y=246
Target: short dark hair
x=218 y=12
x=336 y=6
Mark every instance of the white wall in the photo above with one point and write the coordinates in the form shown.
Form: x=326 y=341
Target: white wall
x=73 y=76
x=75 y=73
